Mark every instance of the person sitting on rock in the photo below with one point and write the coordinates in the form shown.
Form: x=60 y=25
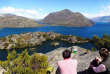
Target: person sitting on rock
x=104 y=65
x=68 y=65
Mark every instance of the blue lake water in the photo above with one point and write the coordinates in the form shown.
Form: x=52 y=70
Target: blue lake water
x=46 y=47
x=98 y=29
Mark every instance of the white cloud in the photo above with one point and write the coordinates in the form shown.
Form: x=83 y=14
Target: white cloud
x=41 y=9
x=104 y=12
x=22 y=12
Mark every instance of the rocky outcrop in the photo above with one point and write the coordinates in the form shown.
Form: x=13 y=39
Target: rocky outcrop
x=33 y=39
x=10 y=20
x=67 y=18
x=21 y=40
x=2 y=70
x=54 y=43
x=83 y=60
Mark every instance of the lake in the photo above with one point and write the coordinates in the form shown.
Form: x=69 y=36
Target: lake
x=46 y=47
x=98 y=29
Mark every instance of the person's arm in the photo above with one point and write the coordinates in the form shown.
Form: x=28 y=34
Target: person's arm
x=58 y=70
x=98 y=60
x=98 y=69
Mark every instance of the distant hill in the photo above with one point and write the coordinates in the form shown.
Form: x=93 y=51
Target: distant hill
x=11 y=20
x=101 y=19
x=67 y=18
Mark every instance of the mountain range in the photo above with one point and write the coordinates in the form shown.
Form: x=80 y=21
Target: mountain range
x=67 y=18
x=102 y=19
x=11 y=20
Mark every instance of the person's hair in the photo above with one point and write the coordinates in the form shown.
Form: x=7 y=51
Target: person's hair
x=66 y=54
x=104 y=52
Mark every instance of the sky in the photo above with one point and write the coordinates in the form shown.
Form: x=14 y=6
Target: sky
x=38 y=9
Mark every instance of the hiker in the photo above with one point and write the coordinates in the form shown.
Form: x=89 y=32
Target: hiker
x=104 y=65
x=68 y=65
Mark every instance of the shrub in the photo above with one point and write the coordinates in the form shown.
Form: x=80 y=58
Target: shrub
x=10 y=40
x=93 y=49
x=25 y=64
x=5 y=45
x=3 y=39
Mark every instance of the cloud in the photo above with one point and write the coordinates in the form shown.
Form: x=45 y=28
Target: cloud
x=41 y=9
x=104 y=12
x=22 y=12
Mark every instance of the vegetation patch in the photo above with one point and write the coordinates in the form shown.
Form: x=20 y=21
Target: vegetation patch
x=25 y=64
x=103 y=42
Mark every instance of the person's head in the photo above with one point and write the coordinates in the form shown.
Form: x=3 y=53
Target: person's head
x=66 y=54
x=104 y=53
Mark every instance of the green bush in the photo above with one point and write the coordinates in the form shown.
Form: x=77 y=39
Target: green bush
x=80 y=38
x=6 y=73
x=10 y=40
x=3 y=39
x=5 y=45
x=25 y=64
x=103 y=42
x=93 y=49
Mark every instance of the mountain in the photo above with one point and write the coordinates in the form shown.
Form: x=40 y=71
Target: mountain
x=11 y=20
x=67 y=18
x=102 y=19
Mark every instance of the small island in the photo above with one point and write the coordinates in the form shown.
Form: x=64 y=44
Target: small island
x=24 y=40
x=54 y=43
